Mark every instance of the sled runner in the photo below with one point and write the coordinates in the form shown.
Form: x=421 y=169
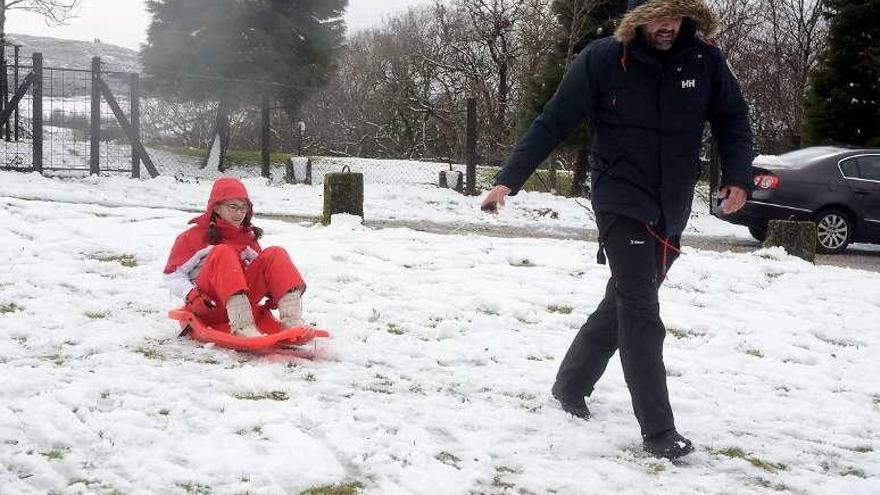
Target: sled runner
x=275 y=336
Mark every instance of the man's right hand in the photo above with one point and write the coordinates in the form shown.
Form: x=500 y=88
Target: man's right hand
x=495 y=199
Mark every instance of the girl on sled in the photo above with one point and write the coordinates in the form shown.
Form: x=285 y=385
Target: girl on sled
x=219 y=269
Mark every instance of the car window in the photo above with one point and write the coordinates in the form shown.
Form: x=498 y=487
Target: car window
x=850 y=168
x=869 y=166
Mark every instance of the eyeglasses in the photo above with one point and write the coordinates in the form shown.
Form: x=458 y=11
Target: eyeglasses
x=235 y=208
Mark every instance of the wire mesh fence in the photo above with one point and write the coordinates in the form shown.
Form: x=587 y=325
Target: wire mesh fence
x=64 y=123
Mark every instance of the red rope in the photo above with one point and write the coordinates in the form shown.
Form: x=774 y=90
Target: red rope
x=623 y=58
x=666 y=246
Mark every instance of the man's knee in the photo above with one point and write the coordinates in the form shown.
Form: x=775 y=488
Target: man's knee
x=638 y=294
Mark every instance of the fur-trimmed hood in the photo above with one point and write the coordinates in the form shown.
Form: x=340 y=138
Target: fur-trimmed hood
x=706 y=22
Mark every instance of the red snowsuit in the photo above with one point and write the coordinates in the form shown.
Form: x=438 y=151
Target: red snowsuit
x=237 y=264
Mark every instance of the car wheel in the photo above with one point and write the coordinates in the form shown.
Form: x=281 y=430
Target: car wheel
x=834 y=231
x=758 y=233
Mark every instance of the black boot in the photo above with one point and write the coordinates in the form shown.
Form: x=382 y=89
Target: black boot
x=668 y=445
x=572 y=404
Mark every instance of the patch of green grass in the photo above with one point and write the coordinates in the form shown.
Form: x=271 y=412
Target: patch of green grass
x=55 y=358
x=738 y=453
x=394 y=329
x=54 y=454
x=278 y=395
x=196 y=488
x=498 y=480
x=853 y=471
x=150 y=353
x=9 y=308
x=448 y=459
x=677 y=333
x=94 y=315
x=125 y=260
x=349 y=488
x=563 y=309
x=656 y=467
x=754 y=352
x=863 y=449
x=779 y=487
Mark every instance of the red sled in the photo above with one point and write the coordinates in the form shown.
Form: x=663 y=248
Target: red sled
x=275 y=334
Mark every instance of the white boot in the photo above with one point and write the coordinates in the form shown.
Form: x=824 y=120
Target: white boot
x=241 y=318
x=290 y=307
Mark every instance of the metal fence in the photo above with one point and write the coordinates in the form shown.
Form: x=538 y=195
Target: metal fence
x=78 y=121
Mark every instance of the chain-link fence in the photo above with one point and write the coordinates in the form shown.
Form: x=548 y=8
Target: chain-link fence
x=78 y=121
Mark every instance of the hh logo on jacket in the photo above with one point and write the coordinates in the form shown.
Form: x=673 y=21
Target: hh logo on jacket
x=688 y=84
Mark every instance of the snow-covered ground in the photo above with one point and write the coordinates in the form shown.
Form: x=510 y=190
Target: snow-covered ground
x=399 y=201
x=436 y=378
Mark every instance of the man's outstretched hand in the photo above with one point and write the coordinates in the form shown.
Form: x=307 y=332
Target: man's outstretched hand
x=733 y=198
x=495 y=199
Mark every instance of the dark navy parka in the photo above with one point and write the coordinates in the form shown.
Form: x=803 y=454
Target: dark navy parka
x=647 y=111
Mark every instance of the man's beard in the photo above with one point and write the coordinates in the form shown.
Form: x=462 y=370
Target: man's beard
x=661 y=40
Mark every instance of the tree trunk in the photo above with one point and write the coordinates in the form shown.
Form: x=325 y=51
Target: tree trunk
x=581 y=164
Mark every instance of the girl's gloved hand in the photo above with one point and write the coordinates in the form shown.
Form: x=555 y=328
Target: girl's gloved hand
x=198 y=302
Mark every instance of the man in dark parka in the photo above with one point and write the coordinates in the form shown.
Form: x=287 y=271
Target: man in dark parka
x=647 y=93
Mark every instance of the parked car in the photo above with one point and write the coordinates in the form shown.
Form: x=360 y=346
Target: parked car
x=838 y=188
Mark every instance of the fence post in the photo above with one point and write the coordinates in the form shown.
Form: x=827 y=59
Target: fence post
x=17 y=82
x=264 y=140
x=4 y=82
x=471 y=147
x=95 y=150
x=135 y=104
x=38 y=112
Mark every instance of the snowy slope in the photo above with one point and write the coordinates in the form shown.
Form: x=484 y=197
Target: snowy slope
x=436 y=379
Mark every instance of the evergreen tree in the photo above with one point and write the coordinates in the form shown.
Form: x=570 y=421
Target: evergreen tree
x=234 y=51
x=844 y=101
x=580 y=22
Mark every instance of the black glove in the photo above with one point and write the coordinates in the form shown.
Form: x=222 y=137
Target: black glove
x=198 y=302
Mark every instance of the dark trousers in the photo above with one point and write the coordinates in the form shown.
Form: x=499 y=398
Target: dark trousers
x=628 y=319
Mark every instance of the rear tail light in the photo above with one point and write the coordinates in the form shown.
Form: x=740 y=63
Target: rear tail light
x=766 y=181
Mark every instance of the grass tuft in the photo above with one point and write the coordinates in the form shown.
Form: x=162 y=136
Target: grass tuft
x=350 y=488
x=196 y=488
x=6 y=308
x=126 y=260
x=394 y=329
x=738 y=453
x=448 y=459
x=278 y=395
x=53 y=455
x=563 y=309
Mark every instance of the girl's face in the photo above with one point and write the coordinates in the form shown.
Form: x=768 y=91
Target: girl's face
x=232 y=210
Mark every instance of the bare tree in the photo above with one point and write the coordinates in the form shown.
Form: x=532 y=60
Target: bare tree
x=53 y=11
x=773 y=47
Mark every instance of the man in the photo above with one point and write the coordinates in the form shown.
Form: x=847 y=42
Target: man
x=646 y=93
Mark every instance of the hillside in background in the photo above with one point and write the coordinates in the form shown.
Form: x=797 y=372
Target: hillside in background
x=75 y=54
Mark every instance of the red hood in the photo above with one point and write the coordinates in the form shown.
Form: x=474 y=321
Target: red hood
x=225 y=188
